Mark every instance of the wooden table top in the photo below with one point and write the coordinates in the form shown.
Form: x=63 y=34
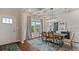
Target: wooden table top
x=60 y=34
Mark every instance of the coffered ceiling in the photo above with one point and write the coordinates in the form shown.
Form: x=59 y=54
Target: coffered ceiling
x=49 y=13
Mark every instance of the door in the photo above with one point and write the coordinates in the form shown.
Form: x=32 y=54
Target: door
x=36 y=29
x=7 y=30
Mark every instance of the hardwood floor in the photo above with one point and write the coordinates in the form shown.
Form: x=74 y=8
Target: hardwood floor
x=26 y=46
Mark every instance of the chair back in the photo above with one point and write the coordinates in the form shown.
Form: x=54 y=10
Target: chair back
x=44 y=34
x=50 y=34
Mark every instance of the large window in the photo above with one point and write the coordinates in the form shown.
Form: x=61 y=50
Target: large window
x=55 y=26
x=36 y=26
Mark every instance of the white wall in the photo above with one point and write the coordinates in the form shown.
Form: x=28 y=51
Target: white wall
x=24 y=15
x=23 y=27
x=15 y=13
x=45 y=25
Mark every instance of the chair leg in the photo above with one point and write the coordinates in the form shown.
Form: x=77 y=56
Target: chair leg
x=53 y=40
x=56 y=41
x=71 y=46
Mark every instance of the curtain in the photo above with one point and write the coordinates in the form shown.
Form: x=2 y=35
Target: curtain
x=29 y=28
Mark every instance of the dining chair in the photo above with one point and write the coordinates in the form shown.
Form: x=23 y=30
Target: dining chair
x=43 y=35
x=50 y=37
x=70 y=41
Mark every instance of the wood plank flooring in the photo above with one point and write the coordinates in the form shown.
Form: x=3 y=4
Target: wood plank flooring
x=26 y=46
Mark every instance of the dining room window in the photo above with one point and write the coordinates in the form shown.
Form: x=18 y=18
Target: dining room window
x=36 y=26
x=55 y=26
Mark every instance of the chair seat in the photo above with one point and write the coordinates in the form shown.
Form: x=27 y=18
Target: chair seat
x=67 y=40
x=49 y=39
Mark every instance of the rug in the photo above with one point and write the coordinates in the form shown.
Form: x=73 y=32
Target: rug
x=10 y=47
x=43 y=46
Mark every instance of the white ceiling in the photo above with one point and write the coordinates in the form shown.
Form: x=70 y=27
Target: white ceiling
x=49 y=13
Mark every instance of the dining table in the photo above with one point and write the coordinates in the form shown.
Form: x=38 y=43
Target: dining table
x=60 y=38
x=60 y=35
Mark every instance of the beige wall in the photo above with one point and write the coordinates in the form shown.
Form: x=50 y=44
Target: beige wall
x=72 y=20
